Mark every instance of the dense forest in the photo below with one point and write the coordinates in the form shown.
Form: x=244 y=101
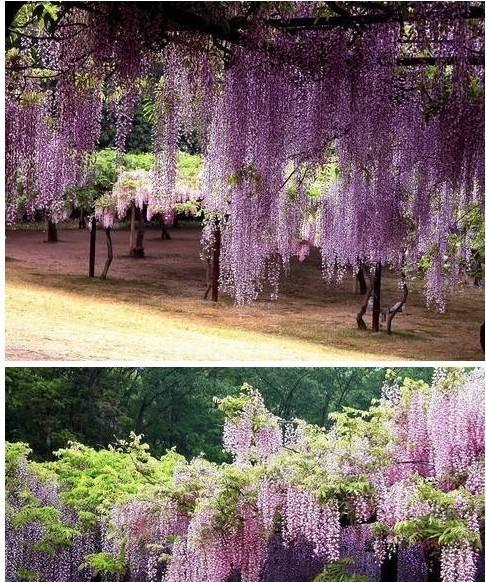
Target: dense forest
x=171 y=407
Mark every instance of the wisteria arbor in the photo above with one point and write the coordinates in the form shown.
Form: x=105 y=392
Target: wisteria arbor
x=396 y=493
x=356 y=128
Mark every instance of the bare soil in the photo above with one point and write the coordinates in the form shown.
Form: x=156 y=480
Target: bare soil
x=152 y=309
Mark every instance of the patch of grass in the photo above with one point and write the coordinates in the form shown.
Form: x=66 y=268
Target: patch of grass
x=79 y=327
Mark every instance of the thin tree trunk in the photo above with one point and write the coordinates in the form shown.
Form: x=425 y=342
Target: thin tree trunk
x=131 y=239
x=376 y=298
x=215 y=266
x=325 y=409
x=51 y=231
x=364 y=306
x=138 y=251
x=389 y=569
x=391 y=313
x=92 y=247
x=165 y=233
x=82 y=220
x=208 y=278
x=140 y=416
x=433 y=566
x=109 y=256
x=361 y=281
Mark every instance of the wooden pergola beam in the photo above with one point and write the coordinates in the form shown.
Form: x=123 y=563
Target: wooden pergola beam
x=350 y=20
x=181 y=16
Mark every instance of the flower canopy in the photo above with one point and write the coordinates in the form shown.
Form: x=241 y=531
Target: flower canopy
x=385 y=100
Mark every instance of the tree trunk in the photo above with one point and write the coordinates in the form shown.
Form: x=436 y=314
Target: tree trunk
x=139 y=423
x=376 y=298
x=361 y=281
x=51 y=231
x=165 y=233
x=433 y=566
x=389 y=569
x=215 y=266
x=92 y=247
x=364 y=306
x=391 y=313
x=208 y=278
x=82 y=220
x=131 y=239
x=109 y=256
x=139 y=251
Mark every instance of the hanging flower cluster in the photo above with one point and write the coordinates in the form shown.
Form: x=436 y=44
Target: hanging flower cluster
x=133 y=188
x=45 y=536
x=251 y=433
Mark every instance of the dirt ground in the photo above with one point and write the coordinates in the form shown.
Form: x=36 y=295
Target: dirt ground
x=152 y=309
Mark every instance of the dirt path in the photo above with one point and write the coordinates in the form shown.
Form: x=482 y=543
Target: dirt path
x=152 y=309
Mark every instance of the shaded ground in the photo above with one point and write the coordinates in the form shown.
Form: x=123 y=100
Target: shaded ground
x=152 y=309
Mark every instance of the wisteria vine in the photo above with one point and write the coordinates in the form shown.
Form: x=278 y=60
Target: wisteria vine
x=404 y=479
x=364 y=139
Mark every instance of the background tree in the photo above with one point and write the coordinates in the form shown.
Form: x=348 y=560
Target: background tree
x=172 y=407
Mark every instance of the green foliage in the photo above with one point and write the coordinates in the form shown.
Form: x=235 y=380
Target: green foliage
x=94 y=480
x=189 y=208
x=56 y=534
x=106 y=166
x=104 y=563
x=232 y=405
x=27 y=575
x=91 y=482
x=231 y=482
x=15 y=453
x=48 y=407
x=325 y=176
x=42 y=14
x=444 y=531
x=247 y=173
x=472 y=228
x=189 y=167
x=172 y=407
x=353 y=424
x=444 y=523
x=338 y=572
x=138 y=161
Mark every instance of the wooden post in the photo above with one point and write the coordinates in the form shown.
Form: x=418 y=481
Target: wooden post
x=51 y=231
x=376 y=298
x=215 y=269
x=92 y=247
x=389 y=568
x=132 y=230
